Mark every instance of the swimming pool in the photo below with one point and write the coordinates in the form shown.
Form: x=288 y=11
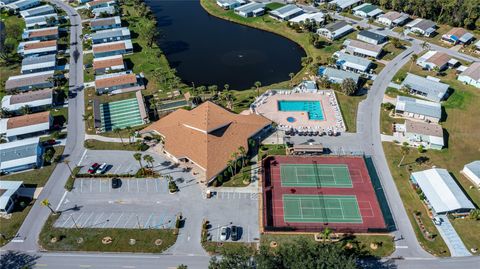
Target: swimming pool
x=313 y=108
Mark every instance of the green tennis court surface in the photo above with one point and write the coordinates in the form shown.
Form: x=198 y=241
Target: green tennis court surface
x=321 y=208
x=315 y=175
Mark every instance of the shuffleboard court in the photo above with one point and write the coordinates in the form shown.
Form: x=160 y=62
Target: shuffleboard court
x=321 y=208
x=315 y=175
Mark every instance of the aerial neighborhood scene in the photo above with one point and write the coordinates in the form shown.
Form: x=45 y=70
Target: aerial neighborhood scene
x=239 y=134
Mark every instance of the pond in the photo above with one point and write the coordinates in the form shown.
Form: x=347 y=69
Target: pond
x=207 y=50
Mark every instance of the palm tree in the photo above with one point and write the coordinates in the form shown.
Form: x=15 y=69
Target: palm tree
x=67 y=162
x=230 y=165
x=404 y=150
x=234 y=157
x=414 y=58
x=226 y=87
x=291 y=75
x=257 y=85
x=25 y=110
x=425 y=45
x=326 y=233
x=243 y=155
x=129 y=129
x=46 y=203
x=118 y=132
x=436 y=69
x=138 y=157
x=149 y=159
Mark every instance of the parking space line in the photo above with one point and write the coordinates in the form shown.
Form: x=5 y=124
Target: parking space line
x=148 y=220
x=86 y=221
x=91 y=184
x=65 y=222
x=100 y=185
x=76 y=221
x=109 y=186
x=156 y=184
x=107 y=220
x=96 y=221
x=83 y=156
x=118 y=220
x=81 y=185
x=138 y=189
x=126 y=223
x=61 y=200
x=146 y=184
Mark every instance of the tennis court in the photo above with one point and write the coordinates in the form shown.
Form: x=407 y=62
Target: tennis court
x=315 y=175
x=321 y=208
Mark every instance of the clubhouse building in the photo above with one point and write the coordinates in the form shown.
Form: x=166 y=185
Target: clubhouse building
x=206 y=136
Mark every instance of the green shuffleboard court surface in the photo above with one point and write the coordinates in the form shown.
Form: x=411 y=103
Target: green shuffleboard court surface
x=321 y=208
x=315 y=175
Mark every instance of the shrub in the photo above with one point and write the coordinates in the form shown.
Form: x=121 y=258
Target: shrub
x=142 y=147
x=172 y=186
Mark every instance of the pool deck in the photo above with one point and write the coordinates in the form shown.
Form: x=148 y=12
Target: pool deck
x=267 y=106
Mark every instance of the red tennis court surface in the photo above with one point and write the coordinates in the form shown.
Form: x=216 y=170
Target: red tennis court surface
x=274 y=214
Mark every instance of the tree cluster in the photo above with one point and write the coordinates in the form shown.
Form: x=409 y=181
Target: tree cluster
x=464 y=13
x=298 y=254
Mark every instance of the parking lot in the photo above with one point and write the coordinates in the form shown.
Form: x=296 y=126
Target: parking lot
x=135 y=185
x=125 y=220
x=234 y=208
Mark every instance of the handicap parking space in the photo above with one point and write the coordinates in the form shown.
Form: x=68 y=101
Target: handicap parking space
x=234 y=208
x=128 y=185
x=123 y=220
x=118 y=163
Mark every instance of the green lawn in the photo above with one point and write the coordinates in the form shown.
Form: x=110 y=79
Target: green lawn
x=88 y=73
x=217 y=247
x=68 y=239
x=349 y=108
x=237 y=180
x=392 y=52
x=361 y=241
x=100 y=145
x=10 y=226
x=10 y=69
x=386 y=122
x=470 y=234
x=270 y=150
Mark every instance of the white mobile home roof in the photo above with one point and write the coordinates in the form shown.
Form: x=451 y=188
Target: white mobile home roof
x=41 y=20
x=345 y=3
x=441 y=190
x=45 y=9
x=22 y=4
x=352 y=61
x=17 y=153
x=105 y=34
x=9 y=188
x=31 y=98
x=473 y=170
x=339 y=74
x=286 y=11
x=435 y=90
x=32 y=63
x=317 y=17
x=250 y=7
x=417 y=106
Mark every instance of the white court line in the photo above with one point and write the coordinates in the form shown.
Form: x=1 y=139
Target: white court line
x=118 y=220
x=61 y=201
x=341 y=208
x=86 y=221
x=83 y=156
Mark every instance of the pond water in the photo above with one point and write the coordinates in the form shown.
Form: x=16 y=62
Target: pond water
x=207 y=50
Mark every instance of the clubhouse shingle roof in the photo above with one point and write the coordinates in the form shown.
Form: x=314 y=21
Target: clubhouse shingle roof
x=207 y=135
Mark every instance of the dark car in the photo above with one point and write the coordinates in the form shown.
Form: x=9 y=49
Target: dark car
x=93 y=168
x=234 y=233
x=49 y=142
x=116 y=183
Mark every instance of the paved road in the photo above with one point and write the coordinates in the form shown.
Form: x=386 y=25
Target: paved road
x=53 y=190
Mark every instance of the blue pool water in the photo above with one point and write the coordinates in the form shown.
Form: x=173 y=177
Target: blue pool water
x=313 y=108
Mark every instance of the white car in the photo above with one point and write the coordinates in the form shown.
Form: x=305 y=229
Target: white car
x=223 y=233
x=101 y=169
